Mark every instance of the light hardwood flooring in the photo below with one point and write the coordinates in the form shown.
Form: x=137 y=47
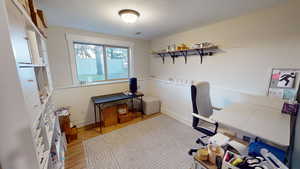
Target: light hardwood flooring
x=75 y=158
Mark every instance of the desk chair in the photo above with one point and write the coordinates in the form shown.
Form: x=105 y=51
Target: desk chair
x=202 y=110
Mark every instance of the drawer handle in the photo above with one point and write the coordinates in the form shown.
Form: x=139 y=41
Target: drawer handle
x=30 y=80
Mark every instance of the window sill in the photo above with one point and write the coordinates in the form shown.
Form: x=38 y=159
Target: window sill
x=92 y=84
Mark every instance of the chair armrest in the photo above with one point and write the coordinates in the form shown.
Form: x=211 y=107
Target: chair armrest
x=216 y=108
x=204 y=118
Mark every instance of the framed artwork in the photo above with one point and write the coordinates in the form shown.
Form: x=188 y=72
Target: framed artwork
x=286 y=79
x=282 y=83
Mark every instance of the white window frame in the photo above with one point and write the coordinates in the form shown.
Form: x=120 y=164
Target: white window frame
x=71 y=38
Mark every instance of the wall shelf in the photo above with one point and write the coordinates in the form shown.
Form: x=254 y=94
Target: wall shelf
x=209 y=51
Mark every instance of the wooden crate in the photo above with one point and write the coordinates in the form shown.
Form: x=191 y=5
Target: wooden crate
x=124 y=115
x=110 y=116
x=123 y=118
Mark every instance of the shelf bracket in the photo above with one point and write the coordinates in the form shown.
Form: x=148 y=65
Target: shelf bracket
x=184 y=53
x=162 y=57
x=173 y=55
x=201 y=54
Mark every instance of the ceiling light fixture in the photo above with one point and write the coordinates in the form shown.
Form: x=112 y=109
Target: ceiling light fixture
x=129 y=15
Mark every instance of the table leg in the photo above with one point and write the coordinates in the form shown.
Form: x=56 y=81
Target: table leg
x=132 y=105
x=100 y=117
x=142 y=106
x=95 y=111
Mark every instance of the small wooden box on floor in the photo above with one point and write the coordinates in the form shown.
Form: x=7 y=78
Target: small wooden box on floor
x=124 y=115
x=71 y=133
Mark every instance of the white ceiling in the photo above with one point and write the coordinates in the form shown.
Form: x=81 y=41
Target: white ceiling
x=158 y=17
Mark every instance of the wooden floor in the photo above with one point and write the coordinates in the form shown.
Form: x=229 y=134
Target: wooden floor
x=75 y=158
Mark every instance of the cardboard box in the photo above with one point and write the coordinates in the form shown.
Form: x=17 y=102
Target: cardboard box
x=110 y=116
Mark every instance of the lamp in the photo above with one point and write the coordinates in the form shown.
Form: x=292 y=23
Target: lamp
x=129 y=15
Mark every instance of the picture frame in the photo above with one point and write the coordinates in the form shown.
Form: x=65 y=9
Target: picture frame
x=283 y=83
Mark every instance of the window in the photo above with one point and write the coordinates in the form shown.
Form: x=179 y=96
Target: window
x=97 y=59
x=117 y=62
x=89 y=62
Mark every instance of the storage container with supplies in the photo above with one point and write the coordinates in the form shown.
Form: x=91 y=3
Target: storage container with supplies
x=231 y=160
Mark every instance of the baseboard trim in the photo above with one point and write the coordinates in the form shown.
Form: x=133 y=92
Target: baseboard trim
x=176 y=117
x=84 y=124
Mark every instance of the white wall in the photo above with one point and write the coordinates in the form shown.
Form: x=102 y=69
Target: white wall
x=79 y=97
x=250 y=46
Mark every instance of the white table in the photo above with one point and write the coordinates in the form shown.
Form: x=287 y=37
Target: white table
x=264 y=122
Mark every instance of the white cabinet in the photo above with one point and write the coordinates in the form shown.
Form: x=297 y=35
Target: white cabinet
x=19 y=40
x=30 y=91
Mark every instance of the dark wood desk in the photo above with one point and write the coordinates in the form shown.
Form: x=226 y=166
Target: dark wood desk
x=98 y=101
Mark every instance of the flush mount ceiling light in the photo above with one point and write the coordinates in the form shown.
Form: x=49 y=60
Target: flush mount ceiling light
x=129 y=15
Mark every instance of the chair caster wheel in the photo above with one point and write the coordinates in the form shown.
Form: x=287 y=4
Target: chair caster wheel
x=192 y=151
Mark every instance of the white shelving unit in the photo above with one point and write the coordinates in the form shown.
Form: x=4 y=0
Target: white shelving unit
x=30 y=54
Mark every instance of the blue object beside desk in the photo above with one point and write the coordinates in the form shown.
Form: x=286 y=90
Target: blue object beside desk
x=98 y=101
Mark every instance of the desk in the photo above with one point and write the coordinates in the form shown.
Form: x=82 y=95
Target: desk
x=261 y=121
x=98 y=101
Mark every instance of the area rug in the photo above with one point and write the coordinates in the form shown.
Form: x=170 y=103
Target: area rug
x=157 y=143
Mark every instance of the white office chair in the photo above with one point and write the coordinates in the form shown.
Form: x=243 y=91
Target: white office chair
x=202 y=110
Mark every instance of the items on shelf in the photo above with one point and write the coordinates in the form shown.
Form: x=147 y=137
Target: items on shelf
x=48 y=138
x=201 y=49
x=36 y=16
x=182 y=47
